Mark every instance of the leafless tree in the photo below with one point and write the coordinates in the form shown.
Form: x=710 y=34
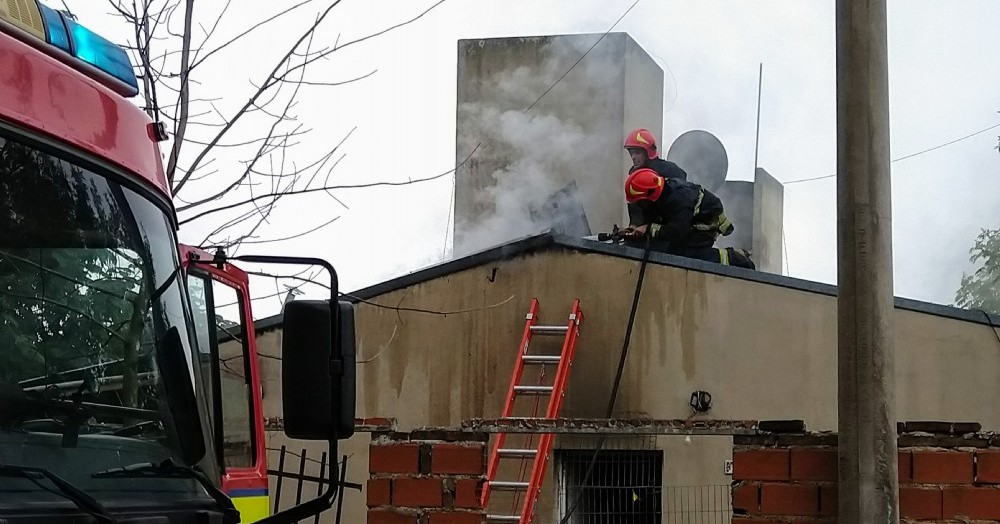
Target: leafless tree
x=236 y=163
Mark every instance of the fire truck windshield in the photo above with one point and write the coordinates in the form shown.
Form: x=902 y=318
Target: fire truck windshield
x=89 y=287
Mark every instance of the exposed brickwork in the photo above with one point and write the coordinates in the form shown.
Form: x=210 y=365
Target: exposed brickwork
x=920 y=503
x=417 y=493
x=746 y=497
x=456 y=459
x=394 y=458
x=814 y=464
x=828 y=500
x=905 y=466
x=388 y=516
x=467 y=492
x=988 y=467
x=789 y=499
x=942 y=467
x=379 y=492
x=426 y=477
x=761 y=464
x=945 y=475
x=971 y=503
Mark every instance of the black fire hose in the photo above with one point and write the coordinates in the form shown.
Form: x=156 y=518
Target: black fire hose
x=618 y=380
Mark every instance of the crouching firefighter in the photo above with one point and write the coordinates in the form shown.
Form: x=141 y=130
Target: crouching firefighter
x=681 y=218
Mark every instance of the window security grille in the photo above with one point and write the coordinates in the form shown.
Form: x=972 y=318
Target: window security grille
x=625 y=486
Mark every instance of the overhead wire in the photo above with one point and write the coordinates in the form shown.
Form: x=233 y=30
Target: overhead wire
x=918 y=153
x=386 y=306
x=560 y=79
x=584 y=55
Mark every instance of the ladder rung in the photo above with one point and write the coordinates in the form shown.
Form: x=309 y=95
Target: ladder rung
x=541 y=359
x=503 y=518
x=533 y=390
x=517 y=453
x=505 y=485
x=549 y=330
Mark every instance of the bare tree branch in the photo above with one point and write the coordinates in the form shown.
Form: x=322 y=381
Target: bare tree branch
x=256 y=158
x=198 y=61
x=325 y=188
x=252 y=141
x=180 y=125
x=267 y=84
x=328 y=52
x=340 y=83
x=166 y=51
x=302 y=234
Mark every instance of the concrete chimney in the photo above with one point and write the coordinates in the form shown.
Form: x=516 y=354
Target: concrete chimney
x=570 y=142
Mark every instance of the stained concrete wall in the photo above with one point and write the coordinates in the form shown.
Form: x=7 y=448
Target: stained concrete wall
x=757 y=210
x=763 y=351
x=694 y=330
x=768 y=222
x=573 y=134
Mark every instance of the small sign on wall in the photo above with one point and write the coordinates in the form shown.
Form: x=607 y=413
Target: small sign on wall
x=727 y=467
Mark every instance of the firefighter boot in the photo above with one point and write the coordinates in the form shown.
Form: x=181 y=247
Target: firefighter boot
x=740 y=258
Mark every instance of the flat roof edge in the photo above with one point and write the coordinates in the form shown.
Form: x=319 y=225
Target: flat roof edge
x=531 y=244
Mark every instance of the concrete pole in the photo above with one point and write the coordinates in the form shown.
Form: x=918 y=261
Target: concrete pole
x=868 y=490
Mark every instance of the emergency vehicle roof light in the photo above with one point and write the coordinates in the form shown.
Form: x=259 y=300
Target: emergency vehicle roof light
x=74 y=44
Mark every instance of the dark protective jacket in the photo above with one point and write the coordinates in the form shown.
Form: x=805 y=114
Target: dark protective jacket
x=684 y=208
x=664 y=168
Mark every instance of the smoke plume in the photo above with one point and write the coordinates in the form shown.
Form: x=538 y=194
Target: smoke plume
x=530 y=156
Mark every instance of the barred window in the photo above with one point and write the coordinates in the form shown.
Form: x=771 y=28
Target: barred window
x=625 y=486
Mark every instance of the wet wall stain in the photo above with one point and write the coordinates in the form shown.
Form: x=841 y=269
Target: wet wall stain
x=693 y=320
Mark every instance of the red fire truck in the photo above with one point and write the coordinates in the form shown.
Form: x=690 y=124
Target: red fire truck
x=129 y=384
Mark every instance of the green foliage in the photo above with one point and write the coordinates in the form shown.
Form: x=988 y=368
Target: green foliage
x=981 y=289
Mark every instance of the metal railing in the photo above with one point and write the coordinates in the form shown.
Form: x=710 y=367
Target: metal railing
x=305 y=476
x=697 y=504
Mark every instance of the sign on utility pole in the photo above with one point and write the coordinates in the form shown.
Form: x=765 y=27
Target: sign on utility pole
x=868 y=485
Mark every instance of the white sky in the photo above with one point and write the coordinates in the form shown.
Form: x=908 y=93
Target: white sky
x=944 y=80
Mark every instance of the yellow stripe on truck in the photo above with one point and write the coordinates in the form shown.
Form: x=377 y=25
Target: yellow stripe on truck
x=252 y=508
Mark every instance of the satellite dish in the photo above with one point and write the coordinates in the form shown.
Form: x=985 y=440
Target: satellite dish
x=702 y=156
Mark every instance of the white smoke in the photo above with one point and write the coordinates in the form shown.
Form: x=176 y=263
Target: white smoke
x=534 y=154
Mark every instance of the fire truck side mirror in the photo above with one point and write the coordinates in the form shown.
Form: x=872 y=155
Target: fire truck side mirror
x=318 y=375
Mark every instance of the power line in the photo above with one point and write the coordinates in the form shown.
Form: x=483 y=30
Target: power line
x=567 y=72
x=584 y=55
x=928 y=150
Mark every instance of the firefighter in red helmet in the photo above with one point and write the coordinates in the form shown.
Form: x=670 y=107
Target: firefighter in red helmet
x=641 y=147
x=680 y=218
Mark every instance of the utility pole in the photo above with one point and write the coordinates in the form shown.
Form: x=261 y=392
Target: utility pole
x=869 y=484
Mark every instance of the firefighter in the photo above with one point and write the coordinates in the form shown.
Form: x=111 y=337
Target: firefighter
x=641 y=146
x=681 y=218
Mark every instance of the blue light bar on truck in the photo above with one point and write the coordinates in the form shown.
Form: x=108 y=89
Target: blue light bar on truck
x=62 y=37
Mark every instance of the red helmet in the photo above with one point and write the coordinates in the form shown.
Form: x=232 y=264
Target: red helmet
x=643 y=184
x=642 y=139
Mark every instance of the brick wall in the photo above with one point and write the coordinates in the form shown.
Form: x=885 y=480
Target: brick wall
x=426 y=477
x=947 y=472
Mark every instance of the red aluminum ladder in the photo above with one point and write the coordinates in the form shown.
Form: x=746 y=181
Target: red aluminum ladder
x=538 y=454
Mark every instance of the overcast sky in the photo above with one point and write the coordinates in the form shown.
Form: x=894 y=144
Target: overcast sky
x=944 y=80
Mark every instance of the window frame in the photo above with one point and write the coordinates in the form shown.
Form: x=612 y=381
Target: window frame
x=209 y=276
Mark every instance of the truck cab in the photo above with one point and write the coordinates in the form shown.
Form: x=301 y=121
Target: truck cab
x=129 y=389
